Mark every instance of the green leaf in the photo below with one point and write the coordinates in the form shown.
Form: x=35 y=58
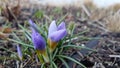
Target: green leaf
x=25 y=30
x=57 y=10
x=61 y=19
x=22 y=43
x=16 y=36
x=75 y=46
x=39 y=14
x=69 y=58
x=42 y=65
x=71 y=28
x=28 y=37
x=7 y=50
x=55 y=66
x=64 y=62
x=55 y=53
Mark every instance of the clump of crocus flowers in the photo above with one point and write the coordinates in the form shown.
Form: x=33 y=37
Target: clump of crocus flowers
x=55 y=34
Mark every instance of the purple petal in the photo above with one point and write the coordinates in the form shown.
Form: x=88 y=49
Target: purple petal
x=52 y=28
x=38 y=41
x=33 y=25
x=58 y=35
x=61 y=26
x=19 y=51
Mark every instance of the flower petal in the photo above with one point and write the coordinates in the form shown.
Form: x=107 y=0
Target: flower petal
x=52 y=28
x=19 y=52
x=38 y=41
x=61 y=26
x=56 y=36
x=33 y=25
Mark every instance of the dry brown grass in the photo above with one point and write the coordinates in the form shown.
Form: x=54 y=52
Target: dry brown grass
x=113 y=22
x=99 y=14
x=76 y=3
x=23 y=3
x=89 y=4
x=114 y=7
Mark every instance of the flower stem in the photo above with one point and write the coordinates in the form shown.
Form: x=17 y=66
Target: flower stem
x=43 y=56
x=52 y=45
x=40 y=57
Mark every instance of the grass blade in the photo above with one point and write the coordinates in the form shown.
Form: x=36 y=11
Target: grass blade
x=64 y=62
x=69 y=58
x=23 y=44
x=75 y=46
x=55 y=66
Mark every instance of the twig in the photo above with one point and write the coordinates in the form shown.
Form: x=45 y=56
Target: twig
x=101 y=23
x=26 y=63
x=86 y=10
x=102 y=28
x=117 y=56
x=114 y=62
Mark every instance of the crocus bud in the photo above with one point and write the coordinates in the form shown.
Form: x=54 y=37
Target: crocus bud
x=19 y=52
x=55 y=34
x=39 y=43
x=33 y=25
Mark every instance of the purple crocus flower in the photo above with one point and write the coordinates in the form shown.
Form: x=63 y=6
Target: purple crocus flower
x=57 y=33
x=38 y=40
x=19 y=52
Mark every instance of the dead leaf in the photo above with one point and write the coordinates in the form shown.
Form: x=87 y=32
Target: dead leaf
x=11 y=13
x=69 y=17
x=3 y=36
x=6 y=30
